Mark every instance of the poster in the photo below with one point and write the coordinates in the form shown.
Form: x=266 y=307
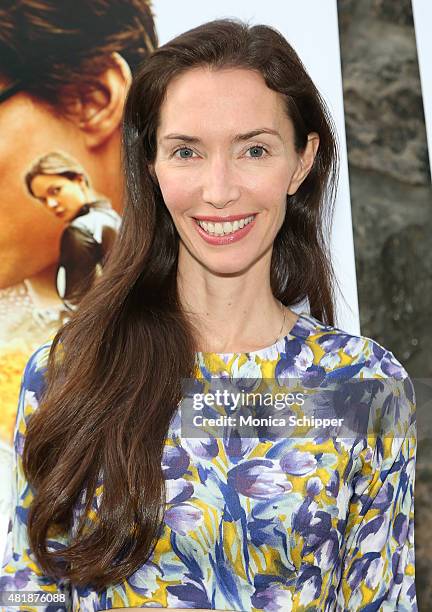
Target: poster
x=65 y=69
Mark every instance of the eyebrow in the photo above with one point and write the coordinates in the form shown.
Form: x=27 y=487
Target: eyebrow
x=237 y=138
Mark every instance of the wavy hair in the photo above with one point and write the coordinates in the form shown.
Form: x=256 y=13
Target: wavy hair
x=115 y=368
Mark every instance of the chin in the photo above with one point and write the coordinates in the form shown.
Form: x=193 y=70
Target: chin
x=230 y=268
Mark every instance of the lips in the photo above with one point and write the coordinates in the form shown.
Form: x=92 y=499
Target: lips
x=225 y=219
x=225 y=239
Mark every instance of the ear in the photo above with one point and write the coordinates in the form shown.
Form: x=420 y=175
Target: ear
x=82 y=182
x=98 y=112
x=305 y=163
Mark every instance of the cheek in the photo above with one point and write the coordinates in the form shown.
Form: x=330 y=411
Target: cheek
x=266 y=188
x=71 y=195
x=270 y=192
x=177 y=194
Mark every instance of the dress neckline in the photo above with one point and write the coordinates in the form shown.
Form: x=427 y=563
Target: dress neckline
x=298 y=329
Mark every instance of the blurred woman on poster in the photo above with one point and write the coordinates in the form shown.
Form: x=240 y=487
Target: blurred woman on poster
x=63 y=187
x=230 y=162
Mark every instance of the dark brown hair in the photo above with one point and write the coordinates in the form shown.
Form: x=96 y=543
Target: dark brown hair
x=115 y=369
x=54 y=47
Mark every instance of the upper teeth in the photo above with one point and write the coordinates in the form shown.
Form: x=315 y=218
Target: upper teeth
x=224 y=228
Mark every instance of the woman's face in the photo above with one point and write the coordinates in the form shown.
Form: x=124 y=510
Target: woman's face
x=225 y=148
x=63 y=197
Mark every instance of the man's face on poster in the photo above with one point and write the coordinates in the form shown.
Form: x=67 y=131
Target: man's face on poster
x=61 y=196
x=86 y=128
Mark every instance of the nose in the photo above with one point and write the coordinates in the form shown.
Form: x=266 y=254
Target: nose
x=220 y=186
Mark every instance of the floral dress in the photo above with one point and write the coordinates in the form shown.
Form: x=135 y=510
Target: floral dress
x=274 y=523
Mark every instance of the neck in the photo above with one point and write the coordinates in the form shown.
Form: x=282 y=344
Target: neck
x=232 y=313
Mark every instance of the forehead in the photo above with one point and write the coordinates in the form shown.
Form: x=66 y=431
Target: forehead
x=222 y=99
x=41 y=182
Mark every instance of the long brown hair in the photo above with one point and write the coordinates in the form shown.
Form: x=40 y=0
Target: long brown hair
x=115 y=369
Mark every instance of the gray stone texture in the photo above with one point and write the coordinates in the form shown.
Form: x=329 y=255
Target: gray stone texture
x=391 y=200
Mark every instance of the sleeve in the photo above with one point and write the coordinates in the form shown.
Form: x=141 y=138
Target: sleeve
x=377 y=572
x=20 y=572
x=109 y=235
x=78 y=264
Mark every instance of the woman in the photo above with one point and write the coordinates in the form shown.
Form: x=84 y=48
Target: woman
x=230 y=165
x=61 y=184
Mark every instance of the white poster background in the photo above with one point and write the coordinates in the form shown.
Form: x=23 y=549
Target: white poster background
x=422 y=13
x=311 y=27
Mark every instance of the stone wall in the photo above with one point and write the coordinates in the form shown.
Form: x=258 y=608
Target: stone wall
x=391 y=199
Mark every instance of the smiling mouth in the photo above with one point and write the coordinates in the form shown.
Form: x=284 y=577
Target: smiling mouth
x=226 y=227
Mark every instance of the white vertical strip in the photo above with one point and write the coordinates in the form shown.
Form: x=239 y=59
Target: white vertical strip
x=422 y=13
x=311 y=27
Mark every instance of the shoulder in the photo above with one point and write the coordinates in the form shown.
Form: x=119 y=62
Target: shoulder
x=32 y=388
x=339 y=358
x=102 y=207
x=336 y=348
x=33 y=381
x=96 y=217
x=34 y=372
